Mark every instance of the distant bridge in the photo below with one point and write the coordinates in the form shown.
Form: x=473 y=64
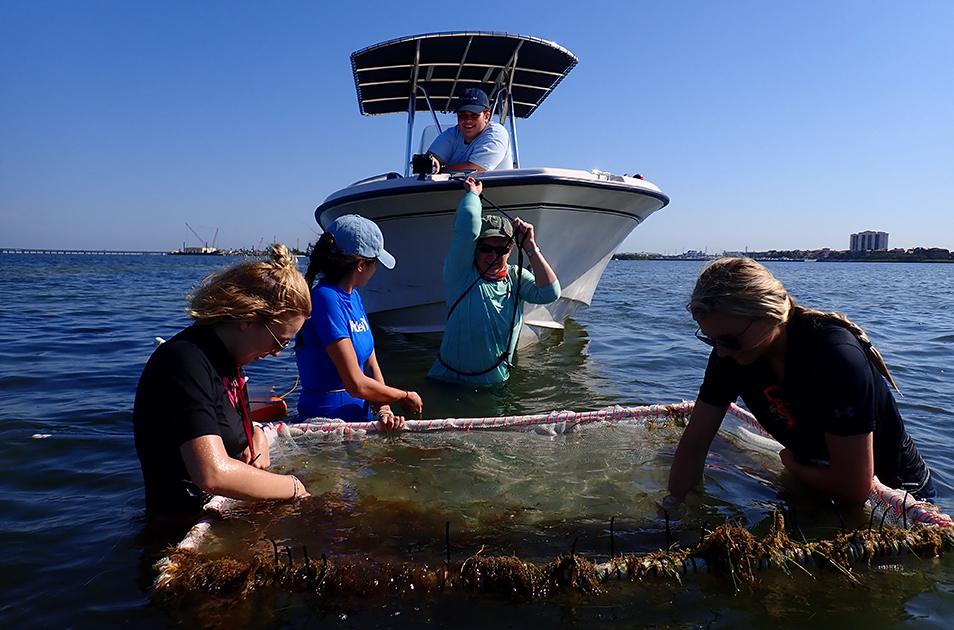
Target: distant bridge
x=111 y=252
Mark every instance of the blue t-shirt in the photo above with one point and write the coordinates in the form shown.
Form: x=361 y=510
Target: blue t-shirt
x=489 y=150
x=335 y=314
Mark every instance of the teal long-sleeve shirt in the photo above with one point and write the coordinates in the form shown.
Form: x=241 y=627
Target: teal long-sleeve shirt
x=479 y=327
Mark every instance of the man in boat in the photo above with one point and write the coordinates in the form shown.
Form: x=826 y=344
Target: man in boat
x=476 y=143
x=485 y=294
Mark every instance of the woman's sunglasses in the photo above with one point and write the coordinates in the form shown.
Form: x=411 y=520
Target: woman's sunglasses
x=500 y=251
x=731 y=343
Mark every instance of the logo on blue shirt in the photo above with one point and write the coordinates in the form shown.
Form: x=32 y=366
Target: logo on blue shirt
x=359 y=326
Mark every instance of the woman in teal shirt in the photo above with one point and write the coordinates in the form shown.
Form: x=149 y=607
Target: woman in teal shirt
x=485 y=295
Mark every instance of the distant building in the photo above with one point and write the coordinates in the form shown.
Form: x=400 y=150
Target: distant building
x=867 y=241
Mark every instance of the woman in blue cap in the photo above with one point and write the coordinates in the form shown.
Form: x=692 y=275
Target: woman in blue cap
x=340 y=375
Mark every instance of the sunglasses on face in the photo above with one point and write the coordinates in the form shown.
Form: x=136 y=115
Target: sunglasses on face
x=500 y=251
x=733 y=343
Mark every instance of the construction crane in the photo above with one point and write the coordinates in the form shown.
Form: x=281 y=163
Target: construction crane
x=201 y=240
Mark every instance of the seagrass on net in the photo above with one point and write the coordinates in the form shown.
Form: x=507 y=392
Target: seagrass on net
x=727 y=551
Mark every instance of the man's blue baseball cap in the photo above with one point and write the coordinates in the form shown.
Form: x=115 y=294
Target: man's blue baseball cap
x=472 y=100
x=357 y=236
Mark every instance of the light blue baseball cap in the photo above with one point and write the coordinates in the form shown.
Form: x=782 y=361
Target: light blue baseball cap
x=357 y=236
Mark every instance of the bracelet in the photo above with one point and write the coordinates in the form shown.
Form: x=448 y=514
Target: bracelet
x=296 y=484
x=405 y=395
x=536 y=250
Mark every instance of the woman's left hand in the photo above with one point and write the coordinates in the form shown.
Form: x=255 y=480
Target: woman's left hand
x=472 y=185
x=389 y=421
x=262 y=459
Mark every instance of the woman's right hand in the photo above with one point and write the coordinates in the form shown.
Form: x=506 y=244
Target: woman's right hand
x=300 y=491
x=472 y=185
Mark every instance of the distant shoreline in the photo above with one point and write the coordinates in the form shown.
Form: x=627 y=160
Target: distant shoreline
x=118 y=252
x=833 y=257
x=839 y=257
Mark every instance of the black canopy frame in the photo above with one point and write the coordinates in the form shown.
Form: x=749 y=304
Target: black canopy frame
x=429 y=71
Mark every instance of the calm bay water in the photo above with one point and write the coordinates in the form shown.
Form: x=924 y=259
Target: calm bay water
x=75 y=332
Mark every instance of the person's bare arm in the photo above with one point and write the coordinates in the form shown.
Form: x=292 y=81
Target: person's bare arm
x=690 y=458
x=848 y=475
x=360 y=385
x=213 y=471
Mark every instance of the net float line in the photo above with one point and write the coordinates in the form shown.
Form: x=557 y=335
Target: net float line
x=194 y=539
x=558 y=421
x=728 y=551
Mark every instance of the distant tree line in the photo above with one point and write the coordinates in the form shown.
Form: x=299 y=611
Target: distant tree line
x=917 y=254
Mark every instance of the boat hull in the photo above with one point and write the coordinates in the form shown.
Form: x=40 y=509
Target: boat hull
x=579 y=220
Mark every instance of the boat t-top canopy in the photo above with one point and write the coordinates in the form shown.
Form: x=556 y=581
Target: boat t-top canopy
x=517 y=72
x=430 y=71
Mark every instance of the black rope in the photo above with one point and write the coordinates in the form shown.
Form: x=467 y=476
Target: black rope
x=838 y=512
x=612 y=542
x=669 y=539
x=904 y=509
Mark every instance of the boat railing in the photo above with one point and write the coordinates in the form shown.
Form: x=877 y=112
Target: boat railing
x=514 y=154
x=377 y=178
x=411 y=112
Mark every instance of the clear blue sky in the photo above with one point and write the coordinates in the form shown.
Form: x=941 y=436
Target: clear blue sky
x=771 y=125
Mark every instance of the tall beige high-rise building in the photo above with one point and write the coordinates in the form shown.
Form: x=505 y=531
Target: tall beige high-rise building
x=866 y=241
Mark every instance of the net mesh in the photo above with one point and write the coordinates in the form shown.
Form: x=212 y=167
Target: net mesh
x=899 y=526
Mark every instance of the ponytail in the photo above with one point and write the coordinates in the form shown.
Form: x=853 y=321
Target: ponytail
x=325 y=260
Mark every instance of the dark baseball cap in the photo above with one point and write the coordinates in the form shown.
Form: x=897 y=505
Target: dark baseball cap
x=472 y=100
x=494 y=225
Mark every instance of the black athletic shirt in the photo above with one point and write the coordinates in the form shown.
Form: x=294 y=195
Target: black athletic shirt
x=184 y=394
x=829 y=387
